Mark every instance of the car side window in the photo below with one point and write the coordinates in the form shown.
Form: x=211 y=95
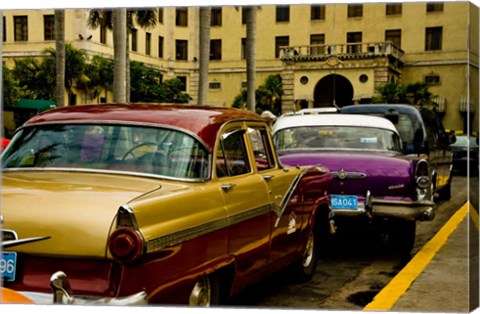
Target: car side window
x=261 y=148
x=232 y=158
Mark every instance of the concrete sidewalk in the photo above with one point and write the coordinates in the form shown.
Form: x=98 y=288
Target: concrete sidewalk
x=443 y=275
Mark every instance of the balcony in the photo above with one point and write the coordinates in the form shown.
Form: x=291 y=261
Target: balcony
x=341 y=51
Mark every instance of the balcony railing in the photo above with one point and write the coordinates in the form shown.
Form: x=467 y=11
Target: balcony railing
x=342 y=51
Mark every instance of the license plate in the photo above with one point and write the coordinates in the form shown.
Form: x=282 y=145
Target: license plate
x=344 y=201
x=8 y=265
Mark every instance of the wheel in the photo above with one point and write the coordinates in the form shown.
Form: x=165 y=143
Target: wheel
x=205 y=292
x=304 y=269
x=446 y=192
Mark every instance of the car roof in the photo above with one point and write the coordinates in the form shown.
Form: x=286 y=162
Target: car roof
x=203 y=121
x=381 y=108
x=334 y=119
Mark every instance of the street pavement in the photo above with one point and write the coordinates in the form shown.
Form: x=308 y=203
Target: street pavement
x=443 y=276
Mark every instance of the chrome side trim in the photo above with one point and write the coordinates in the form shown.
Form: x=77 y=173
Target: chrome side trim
x=342 y=175
x=159 y=243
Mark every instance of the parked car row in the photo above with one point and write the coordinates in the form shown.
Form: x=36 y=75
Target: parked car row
x=188 y=205
x=169 y=204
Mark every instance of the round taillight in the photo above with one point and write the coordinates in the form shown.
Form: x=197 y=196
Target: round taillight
x=125 y=245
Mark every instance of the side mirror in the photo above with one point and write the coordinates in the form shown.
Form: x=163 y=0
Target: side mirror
x=452 y=138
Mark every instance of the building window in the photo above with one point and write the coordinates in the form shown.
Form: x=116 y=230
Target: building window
x=432 y=79
x=21 y=28
x=214 y=85
x=281 y=41
x=181 y=17
x=395 y=36
x=181 y=49
x=134 y=39
x=183 y=79
x=317 y=12
x=160 y=46
x=49 y=27
x=216 y=49
x=282 y=13
x=315 y=41
x=160 y=15
x=243 y=48
x=216 y=16
x=433 y=38
x=434 y=7
x=243 y=85
x=355 y=10
x=148 y=43
x=244 y=15
x=4 y=30
x=103 y=34
x=352 y=38
x=393 y=9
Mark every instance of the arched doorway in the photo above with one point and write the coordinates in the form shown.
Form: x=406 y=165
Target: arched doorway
x=333 y=89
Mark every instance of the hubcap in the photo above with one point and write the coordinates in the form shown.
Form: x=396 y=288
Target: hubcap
x=308 y=256
x=201 y=293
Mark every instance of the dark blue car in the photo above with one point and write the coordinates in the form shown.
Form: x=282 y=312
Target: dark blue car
x=423 y=134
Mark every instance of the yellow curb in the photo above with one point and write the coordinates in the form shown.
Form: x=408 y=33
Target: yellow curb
x=389 y=295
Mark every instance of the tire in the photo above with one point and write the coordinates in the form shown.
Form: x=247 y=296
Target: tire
x=304 y=269
x=205 y=292
x=402 y=236
x=446 y=192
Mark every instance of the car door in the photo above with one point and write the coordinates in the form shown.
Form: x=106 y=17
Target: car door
x=286 y=222
x=247 y=204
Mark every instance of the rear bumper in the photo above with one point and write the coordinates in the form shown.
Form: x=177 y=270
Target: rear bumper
x=63 y=294
x=139 y=298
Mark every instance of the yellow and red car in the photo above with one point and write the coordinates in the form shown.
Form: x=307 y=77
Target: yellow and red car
x=188 y=204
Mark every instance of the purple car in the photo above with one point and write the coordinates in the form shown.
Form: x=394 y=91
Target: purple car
x=373 y=181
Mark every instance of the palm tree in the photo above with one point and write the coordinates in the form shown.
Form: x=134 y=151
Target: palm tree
x=105 y=18
x=205 y=14
x=250 y=56
x=60 y=57
x=120 y=55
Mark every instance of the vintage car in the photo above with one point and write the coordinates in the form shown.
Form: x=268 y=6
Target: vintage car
x=374 y=183
x=423 y=134
x=188 y=204
x=61 y=291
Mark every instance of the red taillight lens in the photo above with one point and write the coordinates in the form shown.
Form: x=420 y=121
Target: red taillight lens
x=125 y=245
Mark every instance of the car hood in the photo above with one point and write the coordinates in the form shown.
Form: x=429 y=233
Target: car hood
x=77 y=210
x=386 y=173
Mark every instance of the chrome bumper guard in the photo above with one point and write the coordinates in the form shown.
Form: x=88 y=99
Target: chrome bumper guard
x=62 y=294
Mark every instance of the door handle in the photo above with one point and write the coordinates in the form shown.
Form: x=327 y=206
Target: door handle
x=227 y=187
x=267 y=178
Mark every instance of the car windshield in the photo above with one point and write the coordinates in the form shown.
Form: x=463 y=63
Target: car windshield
x=464 y=141
x=337 y=137
x=137 y=149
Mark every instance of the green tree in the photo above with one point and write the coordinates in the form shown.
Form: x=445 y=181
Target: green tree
x=145 y=18
x=11 y=89
x=147 y=86
x=98 y=77
x=74 y=73
x=33 y=79
x=395 y=93
x=268 y=96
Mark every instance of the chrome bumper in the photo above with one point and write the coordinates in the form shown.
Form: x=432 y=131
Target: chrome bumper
x=62 y=294
x=408 y=210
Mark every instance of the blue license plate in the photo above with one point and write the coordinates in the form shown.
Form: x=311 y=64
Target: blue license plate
x=8 y=265
x=344 y=201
